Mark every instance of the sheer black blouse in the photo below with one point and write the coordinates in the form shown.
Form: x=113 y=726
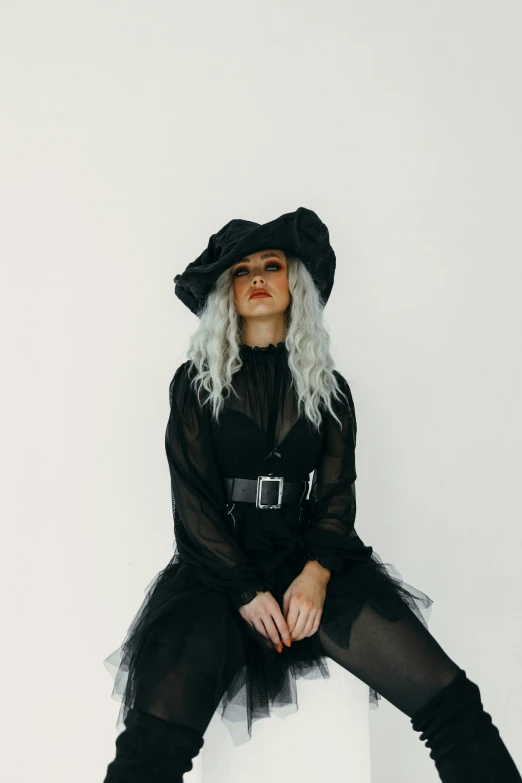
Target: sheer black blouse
x=225 y=552
x=258 y=433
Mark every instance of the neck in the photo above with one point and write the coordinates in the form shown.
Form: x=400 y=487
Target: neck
x=261 y=334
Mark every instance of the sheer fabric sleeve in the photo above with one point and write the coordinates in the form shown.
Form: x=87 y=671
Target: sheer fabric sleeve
x=331 y=538
x=203 y=537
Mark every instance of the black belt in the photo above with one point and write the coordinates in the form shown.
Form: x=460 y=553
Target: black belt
x=265 y=491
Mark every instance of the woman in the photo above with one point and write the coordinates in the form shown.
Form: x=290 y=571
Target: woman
x=266 y=582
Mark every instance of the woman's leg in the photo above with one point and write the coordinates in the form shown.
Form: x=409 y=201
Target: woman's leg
x=400 y=659
x=404 y=663
x=177 y=693
x=190 y=689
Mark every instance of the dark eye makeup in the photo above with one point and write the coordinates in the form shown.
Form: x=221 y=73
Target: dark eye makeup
x=244 y=268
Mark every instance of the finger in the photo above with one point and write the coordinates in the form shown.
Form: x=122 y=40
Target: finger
x=286 y=604
x=292 y=616
x=272 y=630
x=282 y=627
x=278 y=616
x=299 y=626
x=317 y=623
x=309 y=625
x=261 y=630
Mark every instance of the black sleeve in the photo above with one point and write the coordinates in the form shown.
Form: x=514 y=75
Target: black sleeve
x=203 y=536
x=331 y=537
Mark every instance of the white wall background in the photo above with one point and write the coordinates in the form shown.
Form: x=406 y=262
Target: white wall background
x=131 y=131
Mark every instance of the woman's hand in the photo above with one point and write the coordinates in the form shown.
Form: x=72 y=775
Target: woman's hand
x=264 y=614
x=304 y=599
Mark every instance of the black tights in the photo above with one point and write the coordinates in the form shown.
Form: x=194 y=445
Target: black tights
x=399 y=659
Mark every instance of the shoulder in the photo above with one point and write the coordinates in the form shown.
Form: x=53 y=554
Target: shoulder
x=180 y=381
x=182 y=387
x=344 y=387
x=181 y=372
x=344 y=406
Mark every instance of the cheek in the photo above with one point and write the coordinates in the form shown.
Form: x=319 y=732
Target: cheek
x=237 y=284
x=282 y=286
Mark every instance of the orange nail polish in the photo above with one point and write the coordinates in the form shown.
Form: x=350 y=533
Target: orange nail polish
x=280 y=648
x=288 y=644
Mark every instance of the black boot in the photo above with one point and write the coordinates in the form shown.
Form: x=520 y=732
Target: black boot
x=465 y=744
x=153 y=750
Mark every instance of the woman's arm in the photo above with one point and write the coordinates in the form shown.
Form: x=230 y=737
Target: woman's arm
x=331 y=537
x=198 y=500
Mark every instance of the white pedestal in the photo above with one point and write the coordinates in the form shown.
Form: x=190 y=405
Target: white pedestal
x=327 y=739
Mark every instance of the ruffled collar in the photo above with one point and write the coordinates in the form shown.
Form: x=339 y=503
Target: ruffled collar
x=263 y=349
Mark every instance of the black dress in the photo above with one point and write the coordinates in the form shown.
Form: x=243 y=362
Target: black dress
x=188 y=624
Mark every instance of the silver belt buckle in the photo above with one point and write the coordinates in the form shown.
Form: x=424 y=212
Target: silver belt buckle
x=260 y=480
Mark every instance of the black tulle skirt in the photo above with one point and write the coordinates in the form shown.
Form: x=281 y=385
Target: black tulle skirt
x=182 y=625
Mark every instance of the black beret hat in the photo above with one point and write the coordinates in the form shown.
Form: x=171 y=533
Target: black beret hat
x=300 y=233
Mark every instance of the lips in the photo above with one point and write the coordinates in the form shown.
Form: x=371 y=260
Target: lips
x=258 y=295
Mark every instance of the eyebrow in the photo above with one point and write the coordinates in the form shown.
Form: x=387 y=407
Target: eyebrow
x=263 y=256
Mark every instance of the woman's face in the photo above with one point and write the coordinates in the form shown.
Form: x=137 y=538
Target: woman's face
x=265 y=270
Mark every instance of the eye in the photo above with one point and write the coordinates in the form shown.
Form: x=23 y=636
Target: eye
x=244 y=269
